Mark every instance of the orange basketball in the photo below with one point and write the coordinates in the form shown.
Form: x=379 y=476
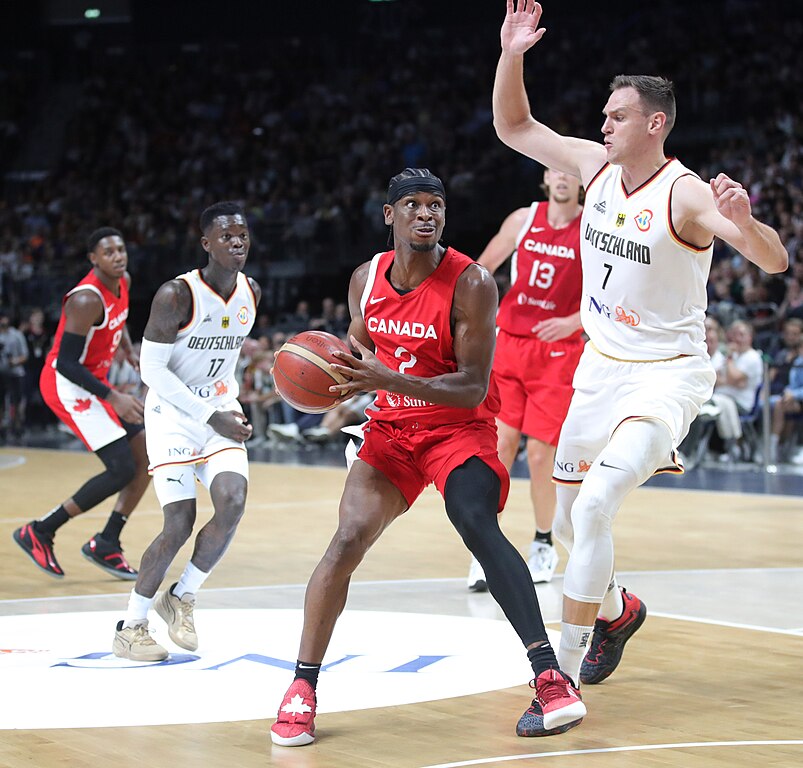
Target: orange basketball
x=301 y=371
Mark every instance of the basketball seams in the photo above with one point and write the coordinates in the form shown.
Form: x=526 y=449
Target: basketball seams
x=312 y=357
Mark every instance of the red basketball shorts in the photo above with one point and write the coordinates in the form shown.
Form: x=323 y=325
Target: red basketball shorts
x=412 y=456
x=535 y=383
x=92 y=420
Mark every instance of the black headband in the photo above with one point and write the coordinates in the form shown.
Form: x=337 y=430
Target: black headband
x=399 y=189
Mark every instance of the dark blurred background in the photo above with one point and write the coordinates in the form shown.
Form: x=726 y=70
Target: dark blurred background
x=139 y=114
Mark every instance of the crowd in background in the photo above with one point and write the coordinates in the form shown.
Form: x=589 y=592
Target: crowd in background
x=307 y=129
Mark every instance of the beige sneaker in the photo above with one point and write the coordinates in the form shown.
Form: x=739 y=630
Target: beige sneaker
x=178 y=616
x=136 y=643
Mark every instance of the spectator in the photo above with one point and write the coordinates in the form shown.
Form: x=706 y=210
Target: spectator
x=13 y=355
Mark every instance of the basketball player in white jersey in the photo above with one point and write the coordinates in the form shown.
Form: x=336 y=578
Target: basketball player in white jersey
x=190 y=349
x=646 y=239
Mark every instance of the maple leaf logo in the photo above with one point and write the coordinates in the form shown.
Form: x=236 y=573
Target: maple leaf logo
x=82 y=404
x=296 y=706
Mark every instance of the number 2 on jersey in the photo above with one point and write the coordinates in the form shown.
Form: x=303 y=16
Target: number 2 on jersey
x=403 y=366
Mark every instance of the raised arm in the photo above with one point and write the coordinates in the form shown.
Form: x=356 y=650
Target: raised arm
x=513 y=120
x=503 y=243
x=473 y=317
x=722 y=209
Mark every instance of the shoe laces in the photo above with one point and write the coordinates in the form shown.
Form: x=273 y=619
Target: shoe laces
x=552 y=688
x=186 y=605
x=142 y=635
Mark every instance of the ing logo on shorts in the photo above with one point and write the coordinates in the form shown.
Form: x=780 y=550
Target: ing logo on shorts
x=569 y=466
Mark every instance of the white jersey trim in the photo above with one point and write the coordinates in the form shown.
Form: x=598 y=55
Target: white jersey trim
x=369 y=282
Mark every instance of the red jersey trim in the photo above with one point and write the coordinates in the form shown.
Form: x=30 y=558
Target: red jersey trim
x=196 y=460
x=673 y=231
x=253 y=293
x=192 y=299
x=212 y=290
x=646 y=183
x=596 y=176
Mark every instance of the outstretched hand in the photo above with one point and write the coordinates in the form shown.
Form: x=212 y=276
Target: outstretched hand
x=364 y=374
x=731 y=199
x=520 y=30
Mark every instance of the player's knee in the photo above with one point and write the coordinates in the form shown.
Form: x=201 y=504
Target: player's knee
x=539 y=455
x=562 y=527
x=125 y=469
x=351 y=541
x=230 y=499
x=592 y=510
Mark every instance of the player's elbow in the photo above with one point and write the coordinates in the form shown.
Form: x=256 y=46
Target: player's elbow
x=474 y=395
x=778 y=263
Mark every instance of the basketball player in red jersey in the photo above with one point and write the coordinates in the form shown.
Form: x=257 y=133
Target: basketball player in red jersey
x=538 y=346
x=423 y=323
x=74 y=384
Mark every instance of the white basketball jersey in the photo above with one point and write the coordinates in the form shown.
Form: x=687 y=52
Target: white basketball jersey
x=206 y=350
x=644 y=289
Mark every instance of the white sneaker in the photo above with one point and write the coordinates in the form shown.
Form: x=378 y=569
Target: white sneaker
x=542 y=562
x=136 y=643
x=317 y=434
x=286 y=431
x=476 y=577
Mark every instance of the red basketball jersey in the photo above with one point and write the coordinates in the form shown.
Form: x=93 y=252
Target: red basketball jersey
x=546 y=277
x=102 y=340
x=412 y=334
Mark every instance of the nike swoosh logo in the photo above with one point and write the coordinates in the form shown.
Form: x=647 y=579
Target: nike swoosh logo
x=375 y=300
x=556 y=354
x=537 y=229
x=610 y=466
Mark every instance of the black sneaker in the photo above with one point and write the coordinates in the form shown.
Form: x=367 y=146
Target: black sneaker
x=608 y=641
x=108 y=557
x=531 y=723
x=39 y=547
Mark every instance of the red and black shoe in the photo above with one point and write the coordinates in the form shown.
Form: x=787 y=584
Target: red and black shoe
x=39 y=547
x=531 y=723
x=608 y=640
x=108 y=557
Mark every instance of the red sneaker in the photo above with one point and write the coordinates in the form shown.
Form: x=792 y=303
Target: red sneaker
x=108 y=557
x=39 y=547
x=295 y=723
x=608 y=640
x=559 y=698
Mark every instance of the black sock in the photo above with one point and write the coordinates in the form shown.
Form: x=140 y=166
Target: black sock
x=542 y=658
x=545 y=537
x=52 y=521
x=308 y=672
x=114 y=525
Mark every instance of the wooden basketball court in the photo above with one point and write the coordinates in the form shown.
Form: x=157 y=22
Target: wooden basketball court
x=712 y=679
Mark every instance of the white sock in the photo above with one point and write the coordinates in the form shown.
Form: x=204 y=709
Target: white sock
x=190 y=581
x=613 y=603
x=573 y=643
x=138 y=607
